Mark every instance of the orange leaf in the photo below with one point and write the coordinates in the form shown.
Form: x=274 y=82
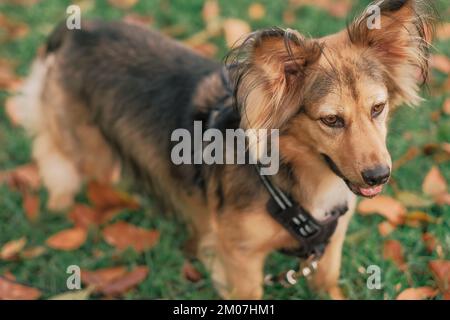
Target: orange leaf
x=235 y=30
x=420 y=293
x=385 y=228
x=33 y=252
x=123 y=4
x=443 y=31
x=83 y=216
x=138 y=20
x=125 y=282
x=123 y=235
x=14 y=29
x=31 y=206
x=440 y=62
x=11 y=249
x=22 y=178
x=10 y=290
x=101 y=277
x=68 y=240
x=210 y=11
x=393 y=250
x=446 y=106
x=386 y=206
x=105 y=197
x=190 y=273
x=256 y=11
x=434 y=183
x=441 y=271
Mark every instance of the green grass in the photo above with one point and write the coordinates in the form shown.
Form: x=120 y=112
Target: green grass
x=363 y=246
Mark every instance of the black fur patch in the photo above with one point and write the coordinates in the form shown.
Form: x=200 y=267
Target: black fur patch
x=392 y=5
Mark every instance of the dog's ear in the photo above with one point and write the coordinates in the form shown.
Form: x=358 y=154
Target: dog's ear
x=270 y=69
x=398 y=32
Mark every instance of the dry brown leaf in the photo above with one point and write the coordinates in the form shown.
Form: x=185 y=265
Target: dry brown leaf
x=208 y=50
x=123 y=4
x=22 y=178
x=84 y=216
x=441 y=272
x=105 y=197
x=409 y=155
x=336 y=293
x=191 y=273
x=419 y=293
x=336 y=8
x=67 y=240
x=12 y=249
x=126 y=282
x=31 y=204
x=235 y=30
x=434 y=183
x=413 y=200
x=443 y=199
x=256 y=11
x=101 y=277
x=33 y=252
x=123 y=235
x=446 y=106
x=10 y=290
x=386 y=206
x=443 y=31
x=393 y=250
x=416 y=218
x=385 y=228
x=430 y=241
x=13 y=29
x=210 y=11
x=440 y=62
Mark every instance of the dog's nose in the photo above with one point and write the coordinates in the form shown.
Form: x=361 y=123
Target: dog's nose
x=377 y=175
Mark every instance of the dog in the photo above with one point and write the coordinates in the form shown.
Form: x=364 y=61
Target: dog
x=110 y=95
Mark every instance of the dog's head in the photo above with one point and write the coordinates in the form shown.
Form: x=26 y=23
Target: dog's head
x=333 y=95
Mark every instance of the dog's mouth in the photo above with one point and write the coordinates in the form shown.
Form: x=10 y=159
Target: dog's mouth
x=368 y=192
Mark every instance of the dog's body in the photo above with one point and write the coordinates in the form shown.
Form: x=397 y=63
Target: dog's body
x=113 y=93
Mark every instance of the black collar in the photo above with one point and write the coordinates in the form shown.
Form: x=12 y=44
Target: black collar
x=313 y=235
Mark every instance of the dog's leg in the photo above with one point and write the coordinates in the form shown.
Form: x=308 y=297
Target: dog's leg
x=59 y=174
x=327 y=274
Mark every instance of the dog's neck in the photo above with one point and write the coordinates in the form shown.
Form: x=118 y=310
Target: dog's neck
x=312 y=183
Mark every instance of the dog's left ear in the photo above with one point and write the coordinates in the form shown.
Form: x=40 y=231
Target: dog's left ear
x=398 y=32
x=270 y=71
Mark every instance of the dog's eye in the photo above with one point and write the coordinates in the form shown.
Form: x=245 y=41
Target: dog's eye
x=377 y=109
x=333 y=121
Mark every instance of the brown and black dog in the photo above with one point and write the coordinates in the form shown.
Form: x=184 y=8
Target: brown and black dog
x=110 y=95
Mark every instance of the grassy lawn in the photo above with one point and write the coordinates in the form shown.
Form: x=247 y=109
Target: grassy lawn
x=364 y=245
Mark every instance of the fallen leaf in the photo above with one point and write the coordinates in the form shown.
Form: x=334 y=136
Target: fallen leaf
x=413 y=200
x=409 y=155
x=210 y=11
x=440 y=62
x=13 y=29
x=31 y=206
x=74 y=295
x=256 y=11
x=33 y=252
x=208 y=50
x=393 y=250
x=415 y=218
x=446 y=106
x=123 y=4
x=84 y=216
x=419 y=293
x=385 y=228
x=11 y=249
x=123 y=235
x=336 y=293
x=434 y=183
x=441 y=272
x=235 y=30
x=8 y=78
x=10 y=290
x=386 y=206
x=442 y=199
x=22 y=178
x=336 y=8
x=101 y=277
x=191 y=273
x=105 y=197
x=443 y=31
x=430 y=241
x=67 y=240
x=126 y=282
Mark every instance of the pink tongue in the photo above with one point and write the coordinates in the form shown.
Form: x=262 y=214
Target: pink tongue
x=368 y=192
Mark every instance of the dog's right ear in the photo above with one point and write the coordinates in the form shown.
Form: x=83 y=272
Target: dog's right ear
x=270 y=70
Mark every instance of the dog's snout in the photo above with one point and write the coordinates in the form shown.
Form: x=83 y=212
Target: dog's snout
x=377 y=175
